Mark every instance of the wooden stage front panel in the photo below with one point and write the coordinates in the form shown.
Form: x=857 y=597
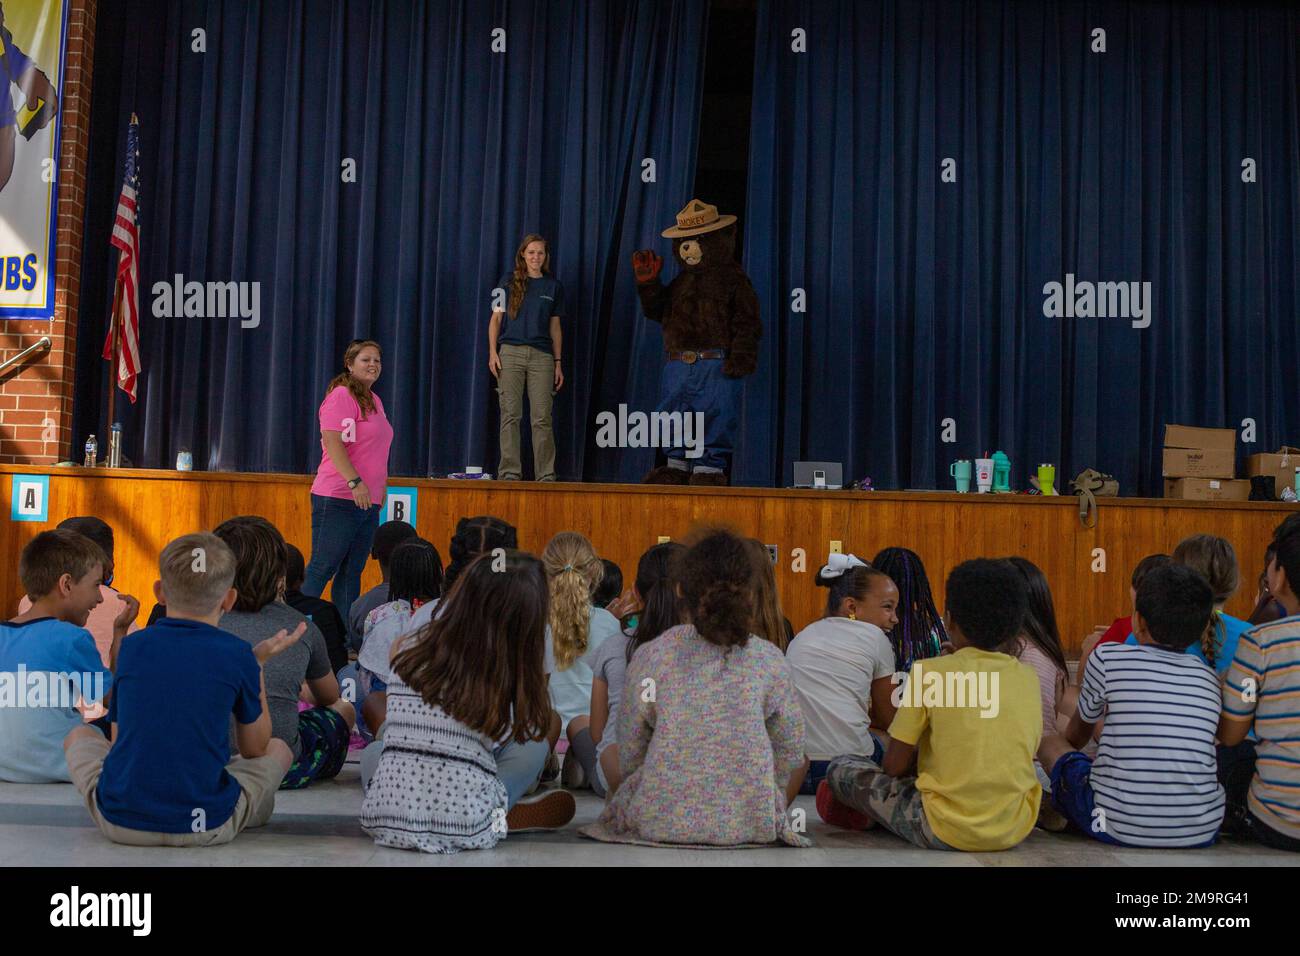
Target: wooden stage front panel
x=148 y=508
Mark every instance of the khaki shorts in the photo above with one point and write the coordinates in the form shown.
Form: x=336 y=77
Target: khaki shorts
x=258 y=780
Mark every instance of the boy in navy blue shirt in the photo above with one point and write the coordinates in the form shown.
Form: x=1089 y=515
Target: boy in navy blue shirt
x=167 y=778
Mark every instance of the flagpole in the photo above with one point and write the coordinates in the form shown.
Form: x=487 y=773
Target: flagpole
x=113 y=372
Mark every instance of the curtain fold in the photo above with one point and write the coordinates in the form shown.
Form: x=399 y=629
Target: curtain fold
x=459 y=151
x=925 y=298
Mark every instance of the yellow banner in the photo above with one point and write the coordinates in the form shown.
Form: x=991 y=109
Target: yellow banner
x=33 y=41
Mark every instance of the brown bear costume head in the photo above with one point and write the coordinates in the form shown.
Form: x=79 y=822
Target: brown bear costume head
x=707 y=251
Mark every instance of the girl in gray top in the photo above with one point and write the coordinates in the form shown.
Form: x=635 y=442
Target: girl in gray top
x=594 y=741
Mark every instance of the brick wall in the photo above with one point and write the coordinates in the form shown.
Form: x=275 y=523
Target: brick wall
x=36 y=401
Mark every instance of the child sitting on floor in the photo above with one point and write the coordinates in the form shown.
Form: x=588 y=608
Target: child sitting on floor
x=1214 y=559
x=593 y=741
x=1153 y=782
x=167 y=778
x=49 y=665
x=971 y=721
x=324 y=614
x=387 y=537
x=843 y=665
x=102 y=618
x=710 y=735
x=468 y=712
x=415 y=587
x=1262 y=778
x=919 y=633
x=318 y=736
x=1039 y=644
x=576 y=630
x=611 y=585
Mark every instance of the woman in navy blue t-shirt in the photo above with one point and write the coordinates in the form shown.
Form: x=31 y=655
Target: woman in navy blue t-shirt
x=524 y=353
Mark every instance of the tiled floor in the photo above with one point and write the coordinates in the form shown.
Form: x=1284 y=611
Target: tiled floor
x=46 y=825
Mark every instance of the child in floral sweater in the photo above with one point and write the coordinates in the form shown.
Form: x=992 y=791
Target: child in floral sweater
x=711 y=737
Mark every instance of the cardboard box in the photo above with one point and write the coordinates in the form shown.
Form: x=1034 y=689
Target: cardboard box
x=1280 y=464
x=1208 y=489
x=1186 y=436
x=1199 y=463
x=1199 y=452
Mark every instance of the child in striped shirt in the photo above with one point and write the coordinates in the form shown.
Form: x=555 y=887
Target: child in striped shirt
x=1154 y=781
x=1262 y=691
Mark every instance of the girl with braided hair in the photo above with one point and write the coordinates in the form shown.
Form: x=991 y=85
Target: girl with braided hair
x=919 y=633
x=1214 y=559
x=576 y=629
x=481 y=534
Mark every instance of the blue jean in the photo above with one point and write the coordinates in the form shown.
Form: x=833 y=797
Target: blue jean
x=817 y=769
x=341 y=535
x=1073 y=797
x=701 y=387
x=519 y=766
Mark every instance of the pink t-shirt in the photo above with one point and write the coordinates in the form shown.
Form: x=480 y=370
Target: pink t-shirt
x=366 y=440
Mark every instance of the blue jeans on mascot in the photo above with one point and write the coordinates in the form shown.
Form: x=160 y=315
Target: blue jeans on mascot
x=700 y=386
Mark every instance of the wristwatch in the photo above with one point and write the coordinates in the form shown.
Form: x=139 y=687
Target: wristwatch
x=354 y=482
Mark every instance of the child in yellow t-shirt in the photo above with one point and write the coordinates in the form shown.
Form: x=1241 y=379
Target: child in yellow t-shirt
x=959 y=771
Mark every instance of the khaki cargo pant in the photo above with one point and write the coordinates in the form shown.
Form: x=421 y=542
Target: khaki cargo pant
x=258 y=780
x=523 y=366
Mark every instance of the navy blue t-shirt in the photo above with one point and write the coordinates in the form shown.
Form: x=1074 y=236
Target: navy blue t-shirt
x=543 y=298
x=176 y=686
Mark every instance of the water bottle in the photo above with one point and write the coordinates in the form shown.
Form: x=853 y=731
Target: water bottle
x=92 y=451
x=115 y=446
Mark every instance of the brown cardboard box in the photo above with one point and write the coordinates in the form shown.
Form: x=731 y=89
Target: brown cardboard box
x=1208 y=489
x=1199 y=452
x=1280 y=464
x=1187 y=436
x=1198 y=463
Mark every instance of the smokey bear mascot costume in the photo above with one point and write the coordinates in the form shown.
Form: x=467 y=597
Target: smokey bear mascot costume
x=709 y=314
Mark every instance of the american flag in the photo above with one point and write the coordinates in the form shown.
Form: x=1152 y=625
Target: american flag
x=125 y=321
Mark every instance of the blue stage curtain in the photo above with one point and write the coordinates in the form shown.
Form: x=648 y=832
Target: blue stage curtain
x=924 y=299
x=460 y=151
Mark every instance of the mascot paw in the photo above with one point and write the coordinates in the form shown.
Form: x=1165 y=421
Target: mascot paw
x=647 y=264
x=665 y=475
x=714 y=478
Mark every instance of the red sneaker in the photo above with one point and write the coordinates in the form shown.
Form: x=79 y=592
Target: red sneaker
x=837 y=814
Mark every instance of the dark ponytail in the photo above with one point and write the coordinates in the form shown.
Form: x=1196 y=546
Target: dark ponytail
x=855 y=583
x=658 y=590
x=717 y=581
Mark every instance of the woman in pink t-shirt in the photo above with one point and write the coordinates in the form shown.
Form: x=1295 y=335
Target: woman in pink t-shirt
x=349 y=487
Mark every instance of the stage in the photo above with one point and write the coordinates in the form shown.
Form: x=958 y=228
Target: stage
x=147 y=508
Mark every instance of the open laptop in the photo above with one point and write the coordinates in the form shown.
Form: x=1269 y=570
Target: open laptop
x=819 y=474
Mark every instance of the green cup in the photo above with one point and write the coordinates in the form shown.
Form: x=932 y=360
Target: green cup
x=1046 y=478
x=960 y=471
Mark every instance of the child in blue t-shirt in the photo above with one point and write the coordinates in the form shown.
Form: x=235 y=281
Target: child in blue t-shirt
x=1214 y=560
x=167 y=778
x=49 y=665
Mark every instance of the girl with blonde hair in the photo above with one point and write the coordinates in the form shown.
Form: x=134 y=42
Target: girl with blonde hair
x=575 y=628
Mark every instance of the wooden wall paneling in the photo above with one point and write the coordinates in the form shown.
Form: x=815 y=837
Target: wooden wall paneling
x=149 y=508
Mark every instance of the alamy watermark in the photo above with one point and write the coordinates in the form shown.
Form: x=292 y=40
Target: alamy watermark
x=1098 y=300
x=928 y=687
x=38 y=689
x=208 y=300
x=667 y=430
x=77 y=909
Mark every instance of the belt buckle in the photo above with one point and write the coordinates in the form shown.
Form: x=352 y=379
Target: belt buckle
x=690 y=356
